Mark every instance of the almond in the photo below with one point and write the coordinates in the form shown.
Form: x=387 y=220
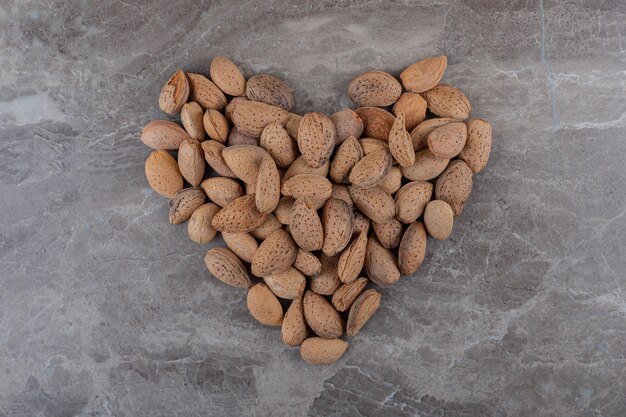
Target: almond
x=270 y=90
x=419 y=135
x=235 y=137
x=225 y=266
x=369 y=145
x=213 y=156
x=269 y=226
x=242 y=244
x=374 y=202
x=227 y=76
x=454 y=185
x=244 y=161
x=377 y=122
x=288 y=284
x=163 y=174
x=425 y=74
x=184 y=203
x=380 y=263
x=264 y=306
x=400 y=144
x=347 y=293
x=216 y=125
x=283 y=210
x=240 y=215
x=316 y=139
x=319 y=351
x=327 y=281
x=293 y=124
x=447 y=101
x=276 y=141
x=310 y=186
x=392 y=181
x=307 y=263
x=439 y=219
x=413 y=106
x=299 y=166
x=426 y=167
x=275 y=254
x=251 y=117
x=412 y=249
x=371 y=169
x=222 y=190
x=361 y=223
x=351 y=261
x=228 y=110
x=267 y=186
x=174 y=93
x=389 y=234
x=306 y=226
x=191 y=161
x=342 y=192
x=337 y=223
x=374 y=88
x=362 y=310
x=411 y=200
x=448 y=141
x=347 y=123
x=204 y=92
x=346 y=156
x=294 y=330
x=478 y=146
x=163 y=134
x=199 y=227
x=191 y=117
x=321 y=316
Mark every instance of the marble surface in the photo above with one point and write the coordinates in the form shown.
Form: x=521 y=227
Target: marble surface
x=108 y=310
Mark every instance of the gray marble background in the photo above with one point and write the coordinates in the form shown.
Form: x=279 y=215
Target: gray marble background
x=107 y=310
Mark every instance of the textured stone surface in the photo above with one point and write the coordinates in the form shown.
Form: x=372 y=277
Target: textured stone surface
x=108 y=310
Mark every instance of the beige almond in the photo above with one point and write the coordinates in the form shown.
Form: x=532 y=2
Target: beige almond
x=361 y=223
x=374 y=88
x=352 y=259
x=448 y=141
x=306 y=226
x=299 y=166
x=225 y=266
x=163 y=134
x=163 y=174
x=216 y=125
x=244 y=161
x=320 y=351
x=478 y=146
x=294 y=330
x=377 y=122
x=342 y=192
x=264 y=306
x=347 y=123
x=426 y=167
x=251 y=117
x=337 y=221
x=412 y=250
x=413 y=106
x=315 y=188
x=276 y=141
x=275 y=254
x=411 y=200
x=374 y=202
x=288 y=284
x=347 y=293
x=370 y=145
x=228 y=110
x=191 y=116
x=400 y=144
x=240 y=215
x=293 y=124
x=321 y=316
x=269 y=226
x=327 y=281
x=389 y=234
x=184 y=203
x=235 y=137
x=222 y=191
x=242 y=244
x=227 y=76
x=425 y=74
x=371 y=169
x=447 y=101
x=174 y=93
x=439 y=219
x=199 y=227
x=362 y=310
x=191 y=161
x=270 y=90
x=204 y=92
x=283 y=210
x=316 y=139
x=307 y=263
x=419 y=135
x=346 y=157
x=392 y=181
x=380 y=263
x=213 y=156
x=454 y=185
x=267 y=186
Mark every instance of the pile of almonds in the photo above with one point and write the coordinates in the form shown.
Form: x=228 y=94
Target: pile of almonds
x=316 y=207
